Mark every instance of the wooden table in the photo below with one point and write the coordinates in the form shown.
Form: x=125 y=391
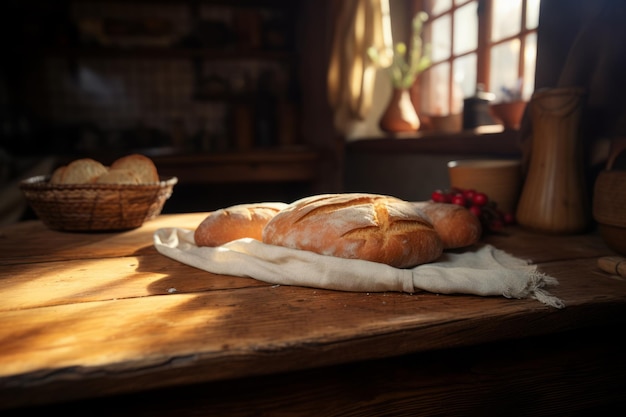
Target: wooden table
x=102 y=322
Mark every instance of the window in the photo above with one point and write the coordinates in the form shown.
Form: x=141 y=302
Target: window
x=491 y=43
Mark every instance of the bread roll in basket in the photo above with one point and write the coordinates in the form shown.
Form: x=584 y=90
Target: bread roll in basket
x=83 y=195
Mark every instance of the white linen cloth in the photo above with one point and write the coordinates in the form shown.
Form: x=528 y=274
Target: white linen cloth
x=483 y=270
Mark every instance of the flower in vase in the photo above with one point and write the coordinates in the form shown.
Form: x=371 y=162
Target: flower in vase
x=405 y=65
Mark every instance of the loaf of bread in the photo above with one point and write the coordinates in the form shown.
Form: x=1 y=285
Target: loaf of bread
x=235 y=222
x=79 y=171
x=119 y=176
x=141 y=165
x=129 y=169
x=57 y=175
x=456 y=225
x=370 y=227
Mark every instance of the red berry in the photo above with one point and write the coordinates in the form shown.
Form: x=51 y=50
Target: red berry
x=469 y=194
x=476 y=210
x=509 y=218
x=438 y=196
x=459 y=200
x=480 y=199
x=496 y=224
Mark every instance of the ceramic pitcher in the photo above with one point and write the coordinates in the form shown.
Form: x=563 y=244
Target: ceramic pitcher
x=554 y=198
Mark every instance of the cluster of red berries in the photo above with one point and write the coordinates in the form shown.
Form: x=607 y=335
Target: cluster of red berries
x=479 y=204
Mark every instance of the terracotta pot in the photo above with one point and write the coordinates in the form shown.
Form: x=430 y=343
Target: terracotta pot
x=400 y=114
x=509 y=113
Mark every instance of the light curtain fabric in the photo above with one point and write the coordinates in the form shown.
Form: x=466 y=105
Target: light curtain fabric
x=484 y=270
x=358 y=24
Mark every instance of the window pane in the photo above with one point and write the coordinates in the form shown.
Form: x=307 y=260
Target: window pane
x=441 y=38
x=465 y=74
x=507 y=19
x=436 y=7
x=465 y=28
x=503 y=73
x=532 y=14
x=435 y=93
x=530 y=58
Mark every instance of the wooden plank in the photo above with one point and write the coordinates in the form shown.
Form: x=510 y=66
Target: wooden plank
x=535 y=377
x=147 y=342
x=32 y=242
x=92 y=349
x=93 y=314
x=542 y=247
x=79 y=281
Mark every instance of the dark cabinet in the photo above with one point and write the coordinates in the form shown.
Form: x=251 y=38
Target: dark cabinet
x=194 y=76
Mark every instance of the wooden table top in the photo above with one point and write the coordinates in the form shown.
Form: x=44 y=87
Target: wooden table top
x=91 y=314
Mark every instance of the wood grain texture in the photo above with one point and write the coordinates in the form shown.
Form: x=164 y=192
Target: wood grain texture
x=31 y=241
x=538 y=377
x=91 y=315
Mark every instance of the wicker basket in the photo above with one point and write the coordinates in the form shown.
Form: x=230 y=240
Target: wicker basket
x=95 y=207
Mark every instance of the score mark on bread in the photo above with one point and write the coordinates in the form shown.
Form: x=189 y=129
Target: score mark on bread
x=357 y=226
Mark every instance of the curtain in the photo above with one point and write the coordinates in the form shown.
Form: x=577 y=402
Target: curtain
x=357 y=24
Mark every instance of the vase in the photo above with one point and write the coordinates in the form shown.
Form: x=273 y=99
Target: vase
x=400 y=114
x=510 y=113
x=554 y=197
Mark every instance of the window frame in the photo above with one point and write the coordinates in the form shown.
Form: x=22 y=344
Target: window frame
x=483 y=49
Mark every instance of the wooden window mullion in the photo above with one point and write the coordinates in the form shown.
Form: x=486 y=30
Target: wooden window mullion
x=521 y=64
x=483 y=56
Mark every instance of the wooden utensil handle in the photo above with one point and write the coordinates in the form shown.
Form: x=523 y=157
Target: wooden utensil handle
x=615 y=265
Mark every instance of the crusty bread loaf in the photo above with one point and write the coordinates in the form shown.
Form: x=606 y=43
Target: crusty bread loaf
x=141 y=165
x=455 y=224
x=57 y=175
x=371 y=227
x=129 y=169
x=119 y=176
x=80 y=171
x=235 y=222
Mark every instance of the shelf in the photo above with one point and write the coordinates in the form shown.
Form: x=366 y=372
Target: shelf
x=229 y=3
x=272 y=165
x=505 y=143
x=229 y=54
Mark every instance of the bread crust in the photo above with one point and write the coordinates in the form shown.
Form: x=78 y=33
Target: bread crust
x=118 y=176
x=81 y=171
x=370 y=227
x=455 y=224
x=235 y=222
x=57 y=175
x=143 y=167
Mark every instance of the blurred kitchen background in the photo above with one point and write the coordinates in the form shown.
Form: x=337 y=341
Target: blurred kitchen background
x=232 y=96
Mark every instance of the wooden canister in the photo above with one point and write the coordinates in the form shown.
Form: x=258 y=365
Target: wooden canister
x=554 y=198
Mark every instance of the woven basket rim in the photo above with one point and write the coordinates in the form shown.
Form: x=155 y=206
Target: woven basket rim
x=40 y=182
x=95 y=207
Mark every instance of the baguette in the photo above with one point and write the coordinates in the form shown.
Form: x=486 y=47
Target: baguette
x=456 y=225
x=370 y=227
x=235 y=222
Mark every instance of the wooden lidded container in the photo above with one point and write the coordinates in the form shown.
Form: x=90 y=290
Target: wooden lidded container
x=554 y=196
